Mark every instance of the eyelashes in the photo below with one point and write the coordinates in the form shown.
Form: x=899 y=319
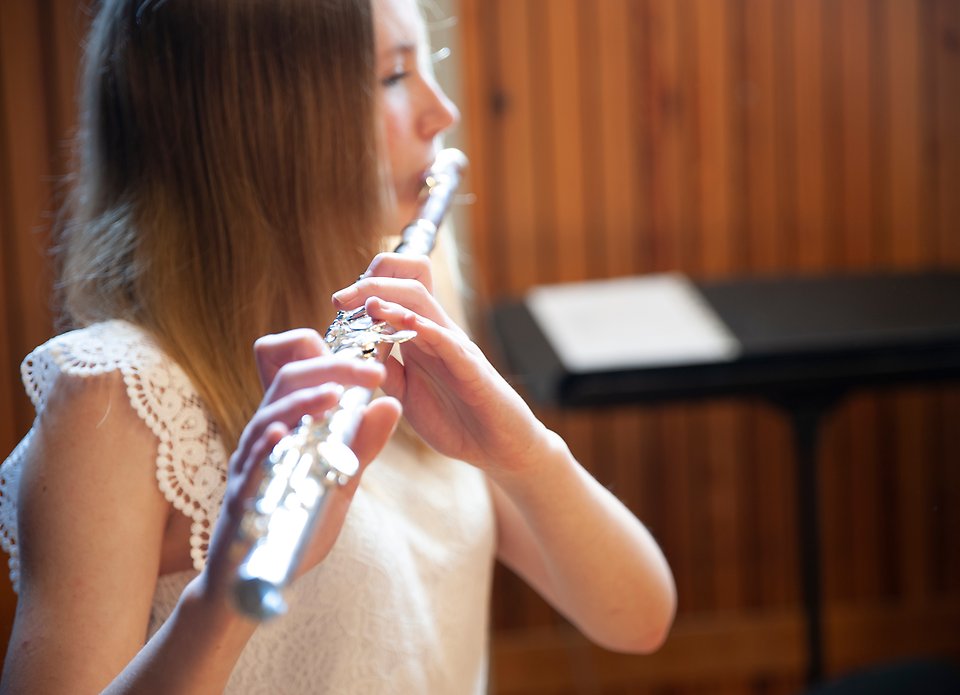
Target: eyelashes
x=400 y=72
x=395 y=78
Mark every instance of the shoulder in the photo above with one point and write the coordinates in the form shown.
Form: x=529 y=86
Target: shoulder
x=110 y=394
x=101 y=348
x=113 y=352
x=88 y=472
x=87 y=439
x=88 y=528
x=87 y=419
x=89 y=436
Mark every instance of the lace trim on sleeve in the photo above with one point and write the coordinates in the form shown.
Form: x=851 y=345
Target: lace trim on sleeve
x=191 y=460
x=9 y=483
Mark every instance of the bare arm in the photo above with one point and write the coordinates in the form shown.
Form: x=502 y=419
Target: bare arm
x=583 y=551
x=91 y=521
x=558 y=528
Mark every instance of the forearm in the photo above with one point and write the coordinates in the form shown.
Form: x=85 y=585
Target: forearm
x=599 y=565
x=194 y=651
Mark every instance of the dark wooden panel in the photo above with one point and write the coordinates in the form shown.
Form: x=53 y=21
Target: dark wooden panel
x=944 y=44
x=706 y=651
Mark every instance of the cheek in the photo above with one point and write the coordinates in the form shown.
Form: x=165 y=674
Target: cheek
x=394 y=128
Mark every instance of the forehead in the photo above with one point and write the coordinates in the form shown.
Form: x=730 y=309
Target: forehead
x=399 y=25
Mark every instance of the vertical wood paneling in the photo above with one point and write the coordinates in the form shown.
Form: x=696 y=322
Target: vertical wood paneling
x=946 y=68
x=29 y=168
x=908 y=239
x=770 y=575
x=747 y=136
x=716 y=254
x=811 y=244
x=946 y=509
x=679 y=534
x=516 y=217
x=857 y=421
x=945 y=43
x=567 y=228
x=880 y=131
x=715 y=164
x=761 y=178
x=903 y=84
x=66 y=21
x=538 y=40
x=668 y=106
x=856 y=425
x=855 y=68
x=480 y=109
x=825 y=130
x=784 y=95
x=619 y=176
x=833 y=172
x=776 y=560
x=915 y=517
x=592 y=164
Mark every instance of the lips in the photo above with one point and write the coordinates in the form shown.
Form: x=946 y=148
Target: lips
x=425 y=171
x=421 y=179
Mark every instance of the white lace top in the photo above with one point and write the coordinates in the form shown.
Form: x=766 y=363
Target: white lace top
x=400 y=605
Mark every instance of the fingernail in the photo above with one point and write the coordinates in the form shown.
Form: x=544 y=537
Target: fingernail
x=346 y=294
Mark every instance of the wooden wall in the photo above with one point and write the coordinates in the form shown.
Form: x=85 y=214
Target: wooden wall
x=727 y=138
x=714 y=137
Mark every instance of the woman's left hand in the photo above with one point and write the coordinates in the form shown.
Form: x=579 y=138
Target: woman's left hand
x=451 y=394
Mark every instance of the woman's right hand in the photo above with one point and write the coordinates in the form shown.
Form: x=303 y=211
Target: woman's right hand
x=300 y=377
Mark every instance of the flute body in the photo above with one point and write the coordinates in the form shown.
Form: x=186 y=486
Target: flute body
x=316 y=456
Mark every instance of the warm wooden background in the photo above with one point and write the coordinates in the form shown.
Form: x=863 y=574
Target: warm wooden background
x=722 y=138
x=713 y=137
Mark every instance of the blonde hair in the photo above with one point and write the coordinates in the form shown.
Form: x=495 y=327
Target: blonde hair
x=228 y=178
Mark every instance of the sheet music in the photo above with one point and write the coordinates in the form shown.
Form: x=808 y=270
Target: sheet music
x=626 y=323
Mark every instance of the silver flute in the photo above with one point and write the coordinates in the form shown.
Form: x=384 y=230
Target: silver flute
x=315 y=457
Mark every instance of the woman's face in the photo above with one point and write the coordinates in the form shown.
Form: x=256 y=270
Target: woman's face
x=413 y=107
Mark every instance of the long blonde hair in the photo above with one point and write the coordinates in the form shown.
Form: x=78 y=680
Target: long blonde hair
x=228 y=178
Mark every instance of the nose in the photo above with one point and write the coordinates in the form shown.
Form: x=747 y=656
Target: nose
x=439 y=112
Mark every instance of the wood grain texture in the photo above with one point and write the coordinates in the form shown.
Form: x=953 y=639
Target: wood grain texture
x=745 y=137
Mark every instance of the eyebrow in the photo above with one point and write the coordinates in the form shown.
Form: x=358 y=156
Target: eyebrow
x=402 y=49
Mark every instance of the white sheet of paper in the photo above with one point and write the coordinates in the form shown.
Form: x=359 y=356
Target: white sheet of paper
x=624 y=323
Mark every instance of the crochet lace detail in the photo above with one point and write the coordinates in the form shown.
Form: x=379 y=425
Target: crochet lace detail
x=191 y=460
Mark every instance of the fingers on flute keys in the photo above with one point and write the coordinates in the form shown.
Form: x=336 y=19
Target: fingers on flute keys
x=398 y=265
x=273 y=351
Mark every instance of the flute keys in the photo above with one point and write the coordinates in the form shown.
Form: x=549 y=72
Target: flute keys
x=357 y=335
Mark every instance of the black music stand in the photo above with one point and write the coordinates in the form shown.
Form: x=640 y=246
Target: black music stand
x=800 y=343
